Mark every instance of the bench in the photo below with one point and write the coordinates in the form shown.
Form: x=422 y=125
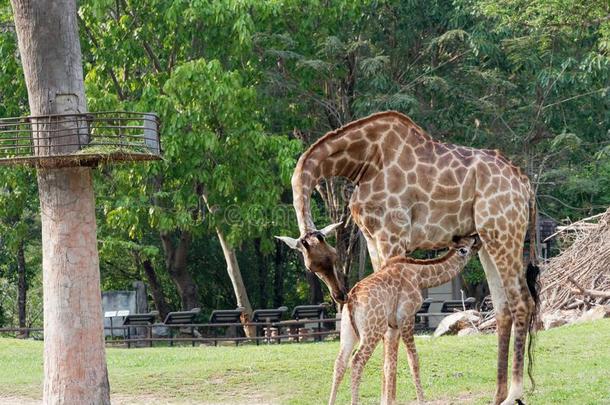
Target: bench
x=115 y=314
x=448 y=307
x=181 y=318
x=268 y=316
x=452 y=306
x=140 y=320
x=309 y=312
x=421 y=322
x=226 y=316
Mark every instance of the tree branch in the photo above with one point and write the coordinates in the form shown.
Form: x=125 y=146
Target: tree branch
x=151 y=55
x=568 y=205
x=575 y=97
x=91 y=37
x=591 y=293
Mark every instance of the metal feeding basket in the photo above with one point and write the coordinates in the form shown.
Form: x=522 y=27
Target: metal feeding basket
x=66 y=140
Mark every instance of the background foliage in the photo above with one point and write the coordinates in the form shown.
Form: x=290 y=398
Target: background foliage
x=243 y=86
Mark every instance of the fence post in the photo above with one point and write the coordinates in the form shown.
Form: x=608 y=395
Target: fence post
x=150 y=342
x=319 y=337
x=268 y=331
x=150 y=133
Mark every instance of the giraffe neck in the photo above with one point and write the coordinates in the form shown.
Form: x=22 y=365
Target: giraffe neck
x=443 y=271
x=343 y=155
x=433 y=272
x=356 y=151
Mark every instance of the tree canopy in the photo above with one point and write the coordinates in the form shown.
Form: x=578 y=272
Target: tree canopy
x=242 y=87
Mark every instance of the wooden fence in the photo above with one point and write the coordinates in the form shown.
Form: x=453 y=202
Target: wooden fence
x=272 y=332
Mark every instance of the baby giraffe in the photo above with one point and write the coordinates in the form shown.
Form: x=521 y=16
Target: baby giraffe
x=385 y=303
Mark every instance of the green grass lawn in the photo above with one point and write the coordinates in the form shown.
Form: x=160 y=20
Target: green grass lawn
x=573 y=366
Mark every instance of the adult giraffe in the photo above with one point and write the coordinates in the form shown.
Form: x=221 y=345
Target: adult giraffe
x=412 y=192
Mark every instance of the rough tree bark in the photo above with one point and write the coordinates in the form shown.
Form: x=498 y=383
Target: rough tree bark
x=74 y=356
x=22 y=288
x=175 y=262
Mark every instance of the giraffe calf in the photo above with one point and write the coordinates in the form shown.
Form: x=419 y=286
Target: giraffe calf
x=385 y=304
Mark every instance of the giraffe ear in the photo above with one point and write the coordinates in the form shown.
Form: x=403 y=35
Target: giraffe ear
x=291 y=242
x=328 y=229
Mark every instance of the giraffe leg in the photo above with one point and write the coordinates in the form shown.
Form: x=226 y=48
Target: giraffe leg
x=390 y=342
x=407 y=337
x=348 y=341
x=384 y=380
x=385 y=377
x=503 y=322
x=510 y=268
x=365 y=350
x=521 y=312
x=372 y=248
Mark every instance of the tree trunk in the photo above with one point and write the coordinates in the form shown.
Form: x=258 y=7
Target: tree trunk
x=262 y=274
x=75 y=363
x=22 y=288
x=155 y=289
x=74 y=356
x=278 y=276
x=316 y=295
x=175 y=262
x=241 y=295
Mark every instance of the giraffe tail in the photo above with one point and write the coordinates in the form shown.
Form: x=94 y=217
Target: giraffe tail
x=532 y=274
x=533 y=224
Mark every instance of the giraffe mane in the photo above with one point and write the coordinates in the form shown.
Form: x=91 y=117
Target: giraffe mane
x=361 y=122
x=406 y=120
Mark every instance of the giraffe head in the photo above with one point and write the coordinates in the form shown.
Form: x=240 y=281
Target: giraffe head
x=466 y=246
x=320 y=259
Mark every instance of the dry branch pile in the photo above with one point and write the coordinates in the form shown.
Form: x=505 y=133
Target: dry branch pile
x=574 y=286
x=469 y=322
x=487 y=323
x=579 y=278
